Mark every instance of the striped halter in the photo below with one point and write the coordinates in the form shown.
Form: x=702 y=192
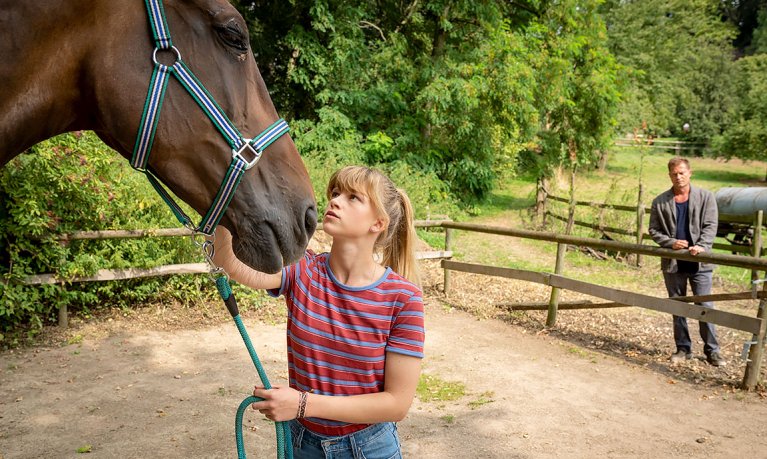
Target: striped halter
x=241 y=147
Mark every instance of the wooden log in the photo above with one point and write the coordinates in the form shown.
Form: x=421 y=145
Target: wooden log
x=433 y=254
x=693 y=311
x=510 y=273
x=563 y=306
x=572 y=305
x=166 y=270
x=599 y=205
x=645 y=236
x=732 y=248
x=120 y=274
x=127 y=234
x=606 y=229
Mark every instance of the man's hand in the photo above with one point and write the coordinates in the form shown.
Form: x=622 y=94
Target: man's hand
x=680 y=244
x=696 y=249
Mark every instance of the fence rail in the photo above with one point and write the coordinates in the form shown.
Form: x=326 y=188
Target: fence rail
x=751 y=263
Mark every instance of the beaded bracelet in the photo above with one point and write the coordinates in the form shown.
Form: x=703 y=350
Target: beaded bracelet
x=301 y=406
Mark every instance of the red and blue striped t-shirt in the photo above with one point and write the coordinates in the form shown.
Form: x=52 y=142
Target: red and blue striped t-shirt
x=338 y=335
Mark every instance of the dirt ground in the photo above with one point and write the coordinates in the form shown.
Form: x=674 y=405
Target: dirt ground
x=130 y=387
x=166 y=380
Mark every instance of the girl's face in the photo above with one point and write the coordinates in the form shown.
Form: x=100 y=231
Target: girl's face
x=350 y=213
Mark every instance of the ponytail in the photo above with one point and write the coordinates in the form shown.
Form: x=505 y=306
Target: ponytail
x=399 y=253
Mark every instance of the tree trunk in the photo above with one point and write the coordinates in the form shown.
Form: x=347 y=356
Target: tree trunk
x=602 y=164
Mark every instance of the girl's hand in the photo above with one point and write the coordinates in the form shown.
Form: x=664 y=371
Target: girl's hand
x=280 y=403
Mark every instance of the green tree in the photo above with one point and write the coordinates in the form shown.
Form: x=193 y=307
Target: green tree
x=454 y=89
x=448 y=84
x=577 y=84
x=746 y=136
x=758 y=43
x=678 y=54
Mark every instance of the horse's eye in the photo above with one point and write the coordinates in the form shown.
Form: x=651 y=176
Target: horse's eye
x=232 y=36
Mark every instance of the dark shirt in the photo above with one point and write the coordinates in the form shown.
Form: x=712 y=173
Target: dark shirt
x=683 y=233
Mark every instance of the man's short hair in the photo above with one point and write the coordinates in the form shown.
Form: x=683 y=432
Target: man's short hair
x=673 y=162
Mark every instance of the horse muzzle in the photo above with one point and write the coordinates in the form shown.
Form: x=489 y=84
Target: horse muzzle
x=268 y=241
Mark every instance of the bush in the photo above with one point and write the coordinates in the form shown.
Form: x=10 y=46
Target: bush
x=71 y=183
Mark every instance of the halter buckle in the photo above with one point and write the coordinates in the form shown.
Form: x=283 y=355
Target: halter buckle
x=247 y=147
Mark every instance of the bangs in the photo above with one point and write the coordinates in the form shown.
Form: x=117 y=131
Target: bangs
x=351 y=179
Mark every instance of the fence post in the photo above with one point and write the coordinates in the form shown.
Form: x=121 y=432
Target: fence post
x=756 y=349
x=756 y=246
x=448 y=247
x=63 y=311
x=756 y=346
x=640 y=221
x=63 y=315
x=551 y=318
x=540 y=201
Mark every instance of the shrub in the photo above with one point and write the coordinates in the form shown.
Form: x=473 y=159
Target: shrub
x=70 y=183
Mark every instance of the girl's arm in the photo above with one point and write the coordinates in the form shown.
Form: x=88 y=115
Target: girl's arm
x=224 y=257
x=391 y=405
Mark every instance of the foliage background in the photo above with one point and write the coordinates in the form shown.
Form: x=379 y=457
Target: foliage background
x=452 y=98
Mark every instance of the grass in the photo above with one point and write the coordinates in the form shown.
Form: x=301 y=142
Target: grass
x=618 y=184
x=433 y=389
x=483 y=399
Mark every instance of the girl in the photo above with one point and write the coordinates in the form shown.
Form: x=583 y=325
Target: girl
x=355 y=327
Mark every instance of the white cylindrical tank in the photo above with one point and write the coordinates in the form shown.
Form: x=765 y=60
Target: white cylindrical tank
x=741 y=201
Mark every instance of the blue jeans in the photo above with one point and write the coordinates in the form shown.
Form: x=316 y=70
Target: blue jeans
x=676 y=285
x=379 y=441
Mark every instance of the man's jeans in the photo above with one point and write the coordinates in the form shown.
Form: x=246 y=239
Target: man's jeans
x=379 y=441
x=676 y=285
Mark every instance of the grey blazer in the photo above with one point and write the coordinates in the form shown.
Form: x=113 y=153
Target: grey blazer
x=703 y=216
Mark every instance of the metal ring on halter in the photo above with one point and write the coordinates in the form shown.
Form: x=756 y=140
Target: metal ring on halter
x=172 y=48
x=200 y=239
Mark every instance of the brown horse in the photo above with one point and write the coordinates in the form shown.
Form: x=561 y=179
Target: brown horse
x=86 y=64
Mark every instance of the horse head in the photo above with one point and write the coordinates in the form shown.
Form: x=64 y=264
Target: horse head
x=93 y=73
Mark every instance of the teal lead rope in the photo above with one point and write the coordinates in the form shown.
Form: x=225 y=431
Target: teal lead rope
x=284 y=443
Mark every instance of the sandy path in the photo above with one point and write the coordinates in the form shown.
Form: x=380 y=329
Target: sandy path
x=174 y=394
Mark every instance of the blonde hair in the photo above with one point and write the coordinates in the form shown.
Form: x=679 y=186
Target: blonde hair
x=397 y=241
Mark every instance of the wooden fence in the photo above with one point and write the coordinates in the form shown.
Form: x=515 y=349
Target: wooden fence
x=103 y=275
x=676 y=146
x=616 y=297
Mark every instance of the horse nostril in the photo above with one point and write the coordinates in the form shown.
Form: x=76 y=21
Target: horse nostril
x=310 y=221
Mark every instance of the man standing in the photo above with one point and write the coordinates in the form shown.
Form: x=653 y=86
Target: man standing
x=685 y=218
